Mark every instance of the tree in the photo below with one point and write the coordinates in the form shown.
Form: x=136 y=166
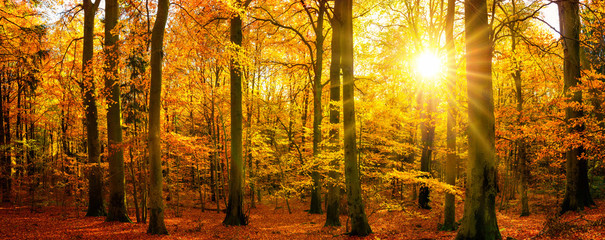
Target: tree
x=235 y=211
x=317 y=113
x=479 y=221
x=428 y=139
x=333 y=201
x=95 y=191
x=117 y=193
x=577 y=191
x=156 y=203
x=359 y=220
x=521 y=143
x=449 y=210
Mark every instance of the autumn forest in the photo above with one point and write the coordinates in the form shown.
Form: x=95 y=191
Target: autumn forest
x=302 y=119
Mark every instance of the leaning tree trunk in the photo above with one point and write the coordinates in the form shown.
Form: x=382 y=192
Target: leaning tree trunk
x=95 y=191
x=479 y=221
x=333 y=201
x=115 y=153
x=577 y=191
x=235 y=212
x=317 y=87
x=359 y=220
x=449 y=210
x=156 y=203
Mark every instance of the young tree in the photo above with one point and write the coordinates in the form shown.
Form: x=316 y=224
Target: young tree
x=95 y=191
x=359 y=220
x=117 y=192
x=156 y=203
x=235 y=211
x=479 y=221
x=577 y=191
x=333 y=201
x=449 y=210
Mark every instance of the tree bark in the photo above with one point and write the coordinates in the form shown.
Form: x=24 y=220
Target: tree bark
x=5 y=162
x=428 y=137
x=521 y=145
x=333 y=201
x=235 y=213
x=359 y=220
x=479 y=221
x=449 y=210
x=577 y=191
x=317 y=87
x=156 y=202
x=116 y=210
x=95 y=177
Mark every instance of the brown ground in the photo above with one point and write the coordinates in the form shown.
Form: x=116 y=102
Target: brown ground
x=266 y=222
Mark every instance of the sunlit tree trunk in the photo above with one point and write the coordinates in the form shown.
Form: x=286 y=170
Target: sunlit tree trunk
x=317 y=87
x=333 y=201
x=479 y=221
x=116 y=210
x=235 y=212
x=156 y=202
x=95 y=191
x=577 y=191
x=359 y=220
x=449 y=210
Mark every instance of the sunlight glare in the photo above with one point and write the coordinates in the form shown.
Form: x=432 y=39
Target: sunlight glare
x=429 y=65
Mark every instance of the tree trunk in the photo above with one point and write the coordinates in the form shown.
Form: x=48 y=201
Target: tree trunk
x=359 y=220
x=5 y=162
x=95 y=177
x=317 y=87
x=235 y=213
x=449 y=211
x=479 y=221
x=428 y=136
x=333 y=200
x=116 y=210
x=156 y=202
x=521 y=145
x=577 y=191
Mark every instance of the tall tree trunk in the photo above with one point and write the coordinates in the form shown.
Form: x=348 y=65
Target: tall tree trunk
x=235 y=213
x=317 y=87
x=5 y=163
x=577 y=191
x=521 y=145
x=359 y=220
x=115 y=153
x=333 y=201
x=479 y=221
x=449 y=210
x=95 y=191
x=156 y=202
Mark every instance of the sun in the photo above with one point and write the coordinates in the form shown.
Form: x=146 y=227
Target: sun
x=429 y=65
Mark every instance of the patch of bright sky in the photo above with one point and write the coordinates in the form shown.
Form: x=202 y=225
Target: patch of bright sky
x=550 y=14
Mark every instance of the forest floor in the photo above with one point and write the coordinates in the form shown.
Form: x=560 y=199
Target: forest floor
x=269 y=222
